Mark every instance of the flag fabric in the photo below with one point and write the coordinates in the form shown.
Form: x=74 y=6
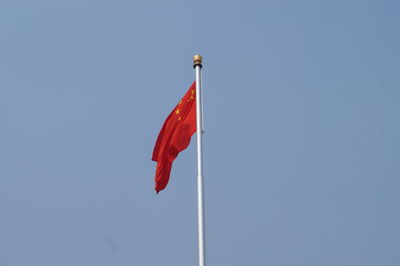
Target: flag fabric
x=174 y=136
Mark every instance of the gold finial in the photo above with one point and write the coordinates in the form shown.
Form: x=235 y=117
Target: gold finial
x=197 y=60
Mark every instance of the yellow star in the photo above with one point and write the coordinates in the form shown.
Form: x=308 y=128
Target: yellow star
x=179 y=118
x=177 y=111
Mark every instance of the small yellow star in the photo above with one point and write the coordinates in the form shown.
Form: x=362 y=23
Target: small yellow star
x=179 y=118
x=177 y=111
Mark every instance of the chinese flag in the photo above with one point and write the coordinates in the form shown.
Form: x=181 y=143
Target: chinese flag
x=174 y=136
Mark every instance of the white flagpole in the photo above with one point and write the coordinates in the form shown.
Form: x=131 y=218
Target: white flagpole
x=197 y=64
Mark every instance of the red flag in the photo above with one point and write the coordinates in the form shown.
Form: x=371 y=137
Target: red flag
x=174 y=136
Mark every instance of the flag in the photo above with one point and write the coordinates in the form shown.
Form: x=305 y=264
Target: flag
x=174 y=136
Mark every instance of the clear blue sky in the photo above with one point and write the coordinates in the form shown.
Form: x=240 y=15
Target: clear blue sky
x=302 y=144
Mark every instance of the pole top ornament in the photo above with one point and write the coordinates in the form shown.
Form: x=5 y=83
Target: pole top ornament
x=197 y=60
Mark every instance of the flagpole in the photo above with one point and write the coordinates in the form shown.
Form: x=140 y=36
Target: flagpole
x=197 y=64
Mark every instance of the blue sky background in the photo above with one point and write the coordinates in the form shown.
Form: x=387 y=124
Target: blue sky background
x=302 y=149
